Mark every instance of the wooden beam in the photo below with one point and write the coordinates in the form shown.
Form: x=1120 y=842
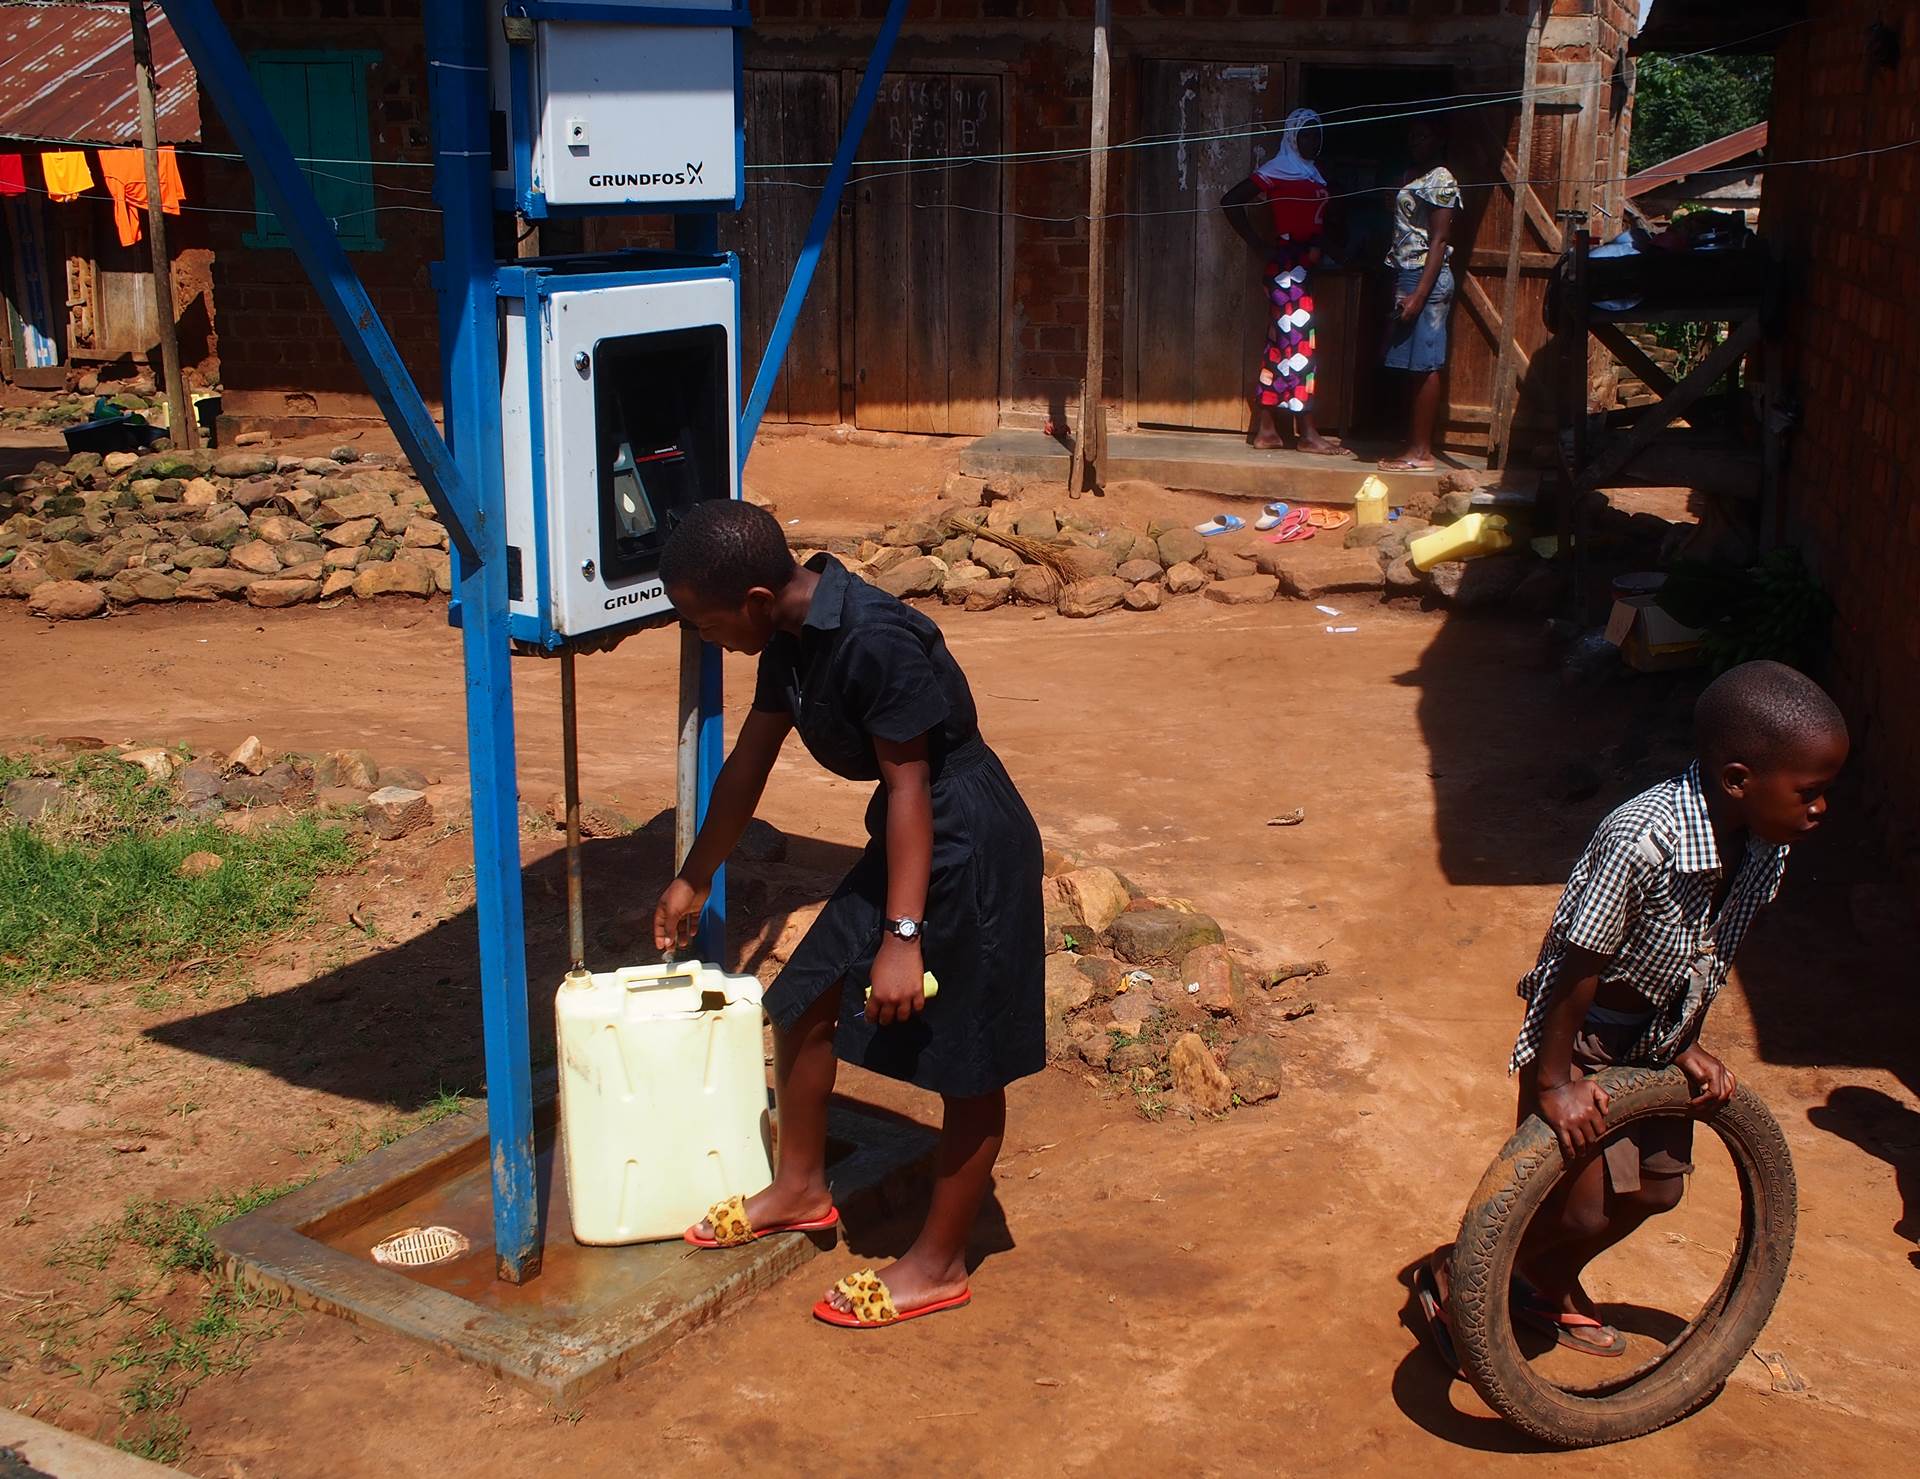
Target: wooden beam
x=1090 y=439
x=1489 y=259
x=1633 y=357
x=1620 y=451
x=1503 y=377
x=1537 y=213
x=1489 y=316
x=180 y=428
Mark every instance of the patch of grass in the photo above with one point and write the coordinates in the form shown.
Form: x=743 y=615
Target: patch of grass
x=164 y=1442
x=95 y=890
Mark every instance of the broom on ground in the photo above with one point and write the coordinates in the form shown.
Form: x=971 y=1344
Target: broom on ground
x=1051 y=558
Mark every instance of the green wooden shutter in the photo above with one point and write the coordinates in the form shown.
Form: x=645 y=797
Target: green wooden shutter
x=319 y=99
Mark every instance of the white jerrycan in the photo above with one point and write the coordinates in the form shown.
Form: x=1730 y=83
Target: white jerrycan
x=663 y=1097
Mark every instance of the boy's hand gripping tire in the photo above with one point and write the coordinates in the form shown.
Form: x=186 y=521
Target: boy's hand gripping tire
x=1693 y=1367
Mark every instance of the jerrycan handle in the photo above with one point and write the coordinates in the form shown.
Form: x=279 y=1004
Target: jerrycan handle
x=713 y=1001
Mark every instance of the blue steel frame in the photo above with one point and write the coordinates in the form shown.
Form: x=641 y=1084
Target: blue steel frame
x=532 y=203
x=462 y=476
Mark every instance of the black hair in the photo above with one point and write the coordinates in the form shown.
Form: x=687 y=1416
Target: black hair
x=1760 y=714
x=722 y=549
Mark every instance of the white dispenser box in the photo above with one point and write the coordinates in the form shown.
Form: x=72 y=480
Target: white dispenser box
x=663 y=1098
x=598 y=112
x=619 y=409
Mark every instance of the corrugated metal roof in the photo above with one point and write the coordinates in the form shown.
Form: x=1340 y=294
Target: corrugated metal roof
x=66 y=73
x=1710 y=156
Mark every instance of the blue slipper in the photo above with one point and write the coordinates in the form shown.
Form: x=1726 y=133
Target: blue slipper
x=1220 y=524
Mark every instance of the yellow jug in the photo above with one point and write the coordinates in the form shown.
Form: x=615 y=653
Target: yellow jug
x=1370 y=503
x=1476 y=534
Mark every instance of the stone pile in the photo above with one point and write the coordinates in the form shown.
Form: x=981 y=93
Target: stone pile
x=243 y=788
x=119 y=530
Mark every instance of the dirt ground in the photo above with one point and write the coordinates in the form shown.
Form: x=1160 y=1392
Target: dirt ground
x=1174 y=1297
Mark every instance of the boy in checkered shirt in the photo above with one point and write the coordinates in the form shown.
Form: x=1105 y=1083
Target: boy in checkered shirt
x=1640 y=946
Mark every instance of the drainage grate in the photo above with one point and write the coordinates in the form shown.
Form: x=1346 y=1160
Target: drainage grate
x=416 y=1247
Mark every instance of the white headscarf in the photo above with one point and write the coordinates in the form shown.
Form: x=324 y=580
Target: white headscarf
x=1286 y=163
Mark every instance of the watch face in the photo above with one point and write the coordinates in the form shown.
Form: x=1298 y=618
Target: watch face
x=906 y=929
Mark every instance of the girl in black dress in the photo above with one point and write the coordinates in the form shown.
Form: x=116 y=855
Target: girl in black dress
x=950 y=883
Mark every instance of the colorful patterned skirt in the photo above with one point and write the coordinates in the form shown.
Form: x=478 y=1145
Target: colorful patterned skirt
x=1286 y=369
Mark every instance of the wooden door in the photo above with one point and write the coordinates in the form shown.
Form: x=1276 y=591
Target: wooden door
x=793 y=121
x=926 y=278
x=1194 y=289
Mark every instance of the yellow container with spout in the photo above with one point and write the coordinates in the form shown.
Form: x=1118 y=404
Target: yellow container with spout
x=1476 y=534
x=663 y=1098
x=1370 y=503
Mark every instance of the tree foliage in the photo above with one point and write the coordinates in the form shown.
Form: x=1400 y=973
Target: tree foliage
x=1682 y=102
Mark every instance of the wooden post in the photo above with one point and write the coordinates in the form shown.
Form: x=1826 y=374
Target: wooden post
x=180 y=424
x=1504 y=389
x=1090 y=442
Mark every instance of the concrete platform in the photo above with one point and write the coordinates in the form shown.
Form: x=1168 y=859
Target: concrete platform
x=1208 y=461
x=30 y=1449
x=592 y=1314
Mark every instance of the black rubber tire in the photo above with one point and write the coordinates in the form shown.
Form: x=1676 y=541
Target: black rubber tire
x=1697 y=1363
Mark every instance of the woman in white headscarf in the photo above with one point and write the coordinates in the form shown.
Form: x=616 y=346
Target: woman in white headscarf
x=1295 y=194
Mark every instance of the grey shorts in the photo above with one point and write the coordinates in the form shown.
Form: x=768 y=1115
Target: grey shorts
x=1657 y=1147
x=1420 y=346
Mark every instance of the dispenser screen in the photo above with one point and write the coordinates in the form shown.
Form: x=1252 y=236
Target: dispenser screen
x=660 y=405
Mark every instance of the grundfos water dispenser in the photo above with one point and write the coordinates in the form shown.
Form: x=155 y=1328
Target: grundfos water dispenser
x=618 y=413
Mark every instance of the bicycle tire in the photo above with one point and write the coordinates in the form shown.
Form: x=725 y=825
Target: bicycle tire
x=1696 y=1363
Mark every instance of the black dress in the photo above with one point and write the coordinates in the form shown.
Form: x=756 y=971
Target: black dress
x=864 y=667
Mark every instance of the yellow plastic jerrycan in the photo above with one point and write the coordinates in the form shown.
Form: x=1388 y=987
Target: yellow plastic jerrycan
x=663 y=1097
x=1476 y=534
x=1370 y=503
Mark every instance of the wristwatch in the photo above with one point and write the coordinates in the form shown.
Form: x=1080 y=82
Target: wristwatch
x=904 y=929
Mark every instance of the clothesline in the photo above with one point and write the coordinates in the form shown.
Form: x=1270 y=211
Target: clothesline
x=68 y=176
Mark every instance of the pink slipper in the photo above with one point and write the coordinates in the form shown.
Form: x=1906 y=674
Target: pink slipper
x=1292 y=528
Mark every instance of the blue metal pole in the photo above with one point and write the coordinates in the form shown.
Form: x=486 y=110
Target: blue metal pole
x=469 y=352
x=223 y=73
x=701 y=233
x=823 y=213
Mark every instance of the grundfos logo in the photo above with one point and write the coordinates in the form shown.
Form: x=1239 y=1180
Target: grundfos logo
x=691 y=175
x=634 y=598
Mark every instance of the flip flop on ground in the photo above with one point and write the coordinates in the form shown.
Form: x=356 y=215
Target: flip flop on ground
x=1430 y=1287
x=731 y=1228
x=1271 y=516
x=1220 y=524
x=1404 y=464
x=872 y=1306
x=1573 y=1330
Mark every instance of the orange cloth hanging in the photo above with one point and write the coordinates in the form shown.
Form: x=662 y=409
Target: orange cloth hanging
x=124 y=172
x=68 y=174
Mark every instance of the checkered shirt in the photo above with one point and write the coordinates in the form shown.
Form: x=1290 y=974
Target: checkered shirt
x=1642 y=895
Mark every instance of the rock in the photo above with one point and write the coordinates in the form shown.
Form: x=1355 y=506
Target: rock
x=347 y=508
x=199 y=493
x=1130 y=1011
x=339 y=799
x=889 y=556
x=300 y=552
x=1096 y=895
x=30 y=797
x=598 y=819
x=919 y=576
x=201 y=780
x=1328 y=572
x=214 y=585
x=158 y=763
x=1222 y=981
x=1089 y=564
x=115 y=463
x=199 y=864
x=256 y=493
x=67 y=562
x=83 y=462
x=1144 y=598
x=1140 y=572
x=1180 y=547
x=1092 y=596
x=271 y=787
x=424 y=534
x=66 y=600
x=19 y=583
x=279 y=528
x=1473 y=585
x=1197 y=1078
x=198 y=557
x=345 y=453
x=337 y=583
x=319 y=467
x=1253 y=1068
x=249 y=755
x=963 y=491
x=345 y=558
x=354 y=532
x=997 y=559
x=255 y=555
x=1452 y=506
x=953 y=551
x=355 y=768
x=1147 y=936
x=253 y=439
x=223 y=526
x=915 y=534
x=1033 y=586
x=407 y=777
x=762 y=842
x=131 y=586
x=1184 y=579
x=1106 y=974
x=392 y=812
x=392 y=577
x=1244 y=590
x=1002 y=517
x=1368 y=536
x=1224 y=564
x=1095 y=1051
x=1036 y=523
x=243 y=465
x=988 y=595
x=1067 y=988
x=272 y=594
x=1402 y=578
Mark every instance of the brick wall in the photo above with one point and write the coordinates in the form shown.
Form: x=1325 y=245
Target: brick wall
x=279 y=353
x=1852 y=493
